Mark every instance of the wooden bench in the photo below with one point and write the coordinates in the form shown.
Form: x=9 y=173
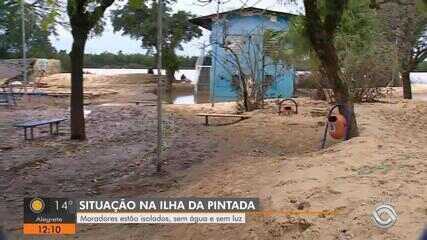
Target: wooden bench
x=32 y=124
x=207 y=115
x=144 y=101
x=7 y=97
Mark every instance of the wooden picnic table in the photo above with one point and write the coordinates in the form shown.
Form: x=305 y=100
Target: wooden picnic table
x=35 y=123
x=207 y=115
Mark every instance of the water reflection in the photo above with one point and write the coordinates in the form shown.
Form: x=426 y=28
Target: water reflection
x=185 y=96
x=187 y=99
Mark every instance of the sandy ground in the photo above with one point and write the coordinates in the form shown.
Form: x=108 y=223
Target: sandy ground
x=275 y=158
x=419 y=91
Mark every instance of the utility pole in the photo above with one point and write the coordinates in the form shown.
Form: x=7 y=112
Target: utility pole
x=24 y=45
x=159 y=85
x=218 y=5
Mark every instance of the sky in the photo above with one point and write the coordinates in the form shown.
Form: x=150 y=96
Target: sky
x=115 y=42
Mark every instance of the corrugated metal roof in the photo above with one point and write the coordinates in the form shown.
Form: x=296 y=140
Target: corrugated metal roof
x=205 y=21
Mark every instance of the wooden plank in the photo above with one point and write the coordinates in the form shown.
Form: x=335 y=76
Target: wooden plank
x=147 y=102
x=38 y=123
x=221 y=115
x=144 y=100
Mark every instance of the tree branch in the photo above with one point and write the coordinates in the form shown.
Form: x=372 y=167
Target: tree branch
x=333 y=18
x=97 y=14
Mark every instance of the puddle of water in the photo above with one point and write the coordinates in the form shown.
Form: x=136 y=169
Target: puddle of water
x=185 y=99
x=181 y=96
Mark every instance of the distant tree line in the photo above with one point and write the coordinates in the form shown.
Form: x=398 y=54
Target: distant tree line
x=121 y=60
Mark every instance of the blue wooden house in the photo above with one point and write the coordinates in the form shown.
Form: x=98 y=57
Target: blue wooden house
x=241 y=34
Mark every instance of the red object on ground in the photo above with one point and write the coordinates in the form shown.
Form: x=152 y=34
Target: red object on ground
x=337 y=126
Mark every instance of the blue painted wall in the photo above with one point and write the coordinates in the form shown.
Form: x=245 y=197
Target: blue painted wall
x=249 y=27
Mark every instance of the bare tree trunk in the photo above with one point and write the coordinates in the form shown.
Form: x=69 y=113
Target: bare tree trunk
x=406 y=83
x=170 y=78
x=406 y=42
x=77 y=112
x=242 y=81
x=245 y=92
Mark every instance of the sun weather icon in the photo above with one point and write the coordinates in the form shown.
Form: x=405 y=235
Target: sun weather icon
x=37 y=205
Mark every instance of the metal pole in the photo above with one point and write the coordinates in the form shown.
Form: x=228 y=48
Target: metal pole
x=159 y=86
x=24 y=45
x=212 y=97
x=395 y=62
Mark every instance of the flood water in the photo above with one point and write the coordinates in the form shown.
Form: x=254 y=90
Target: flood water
x=176 y=97
x=419 y=77
x=184 y=99
x=187 y=97
x=189 y=73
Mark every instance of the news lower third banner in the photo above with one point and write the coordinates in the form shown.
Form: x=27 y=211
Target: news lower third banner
x=61 y=215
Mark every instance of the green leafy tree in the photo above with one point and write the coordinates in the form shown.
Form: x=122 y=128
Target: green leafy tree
x=37 y=37
x=322 y=20
x=409 y=32
x=363 y=54
x=319 y=32
x=138 y=21
x=356 y=35
x=321 y=24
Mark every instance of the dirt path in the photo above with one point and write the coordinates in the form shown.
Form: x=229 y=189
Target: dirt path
x=386 y=163
x=275 y=158
x=115 y=161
